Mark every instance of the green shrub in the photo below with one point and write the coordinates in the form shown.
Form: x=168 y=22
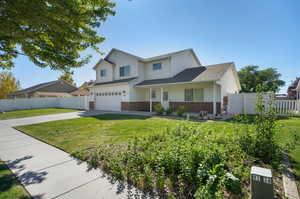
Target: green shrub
x=181 y=162
x=180 y=111
x=169 y=111
x=159 y=109
x=244 y=118
x=259 y=142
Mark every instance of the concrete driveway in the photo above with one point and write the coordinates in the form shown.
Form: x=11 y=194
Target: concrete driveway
x=47 y=172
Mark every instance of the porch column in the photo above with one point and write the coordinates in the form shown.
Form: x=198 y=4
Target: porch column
x=150 y=99
x=161 y=95
x=214 y=99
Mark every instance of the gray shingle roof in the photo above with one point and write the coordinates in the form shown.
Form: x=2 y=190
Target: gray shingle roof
x=38 y=86
x=116 y=81
x=186 y=75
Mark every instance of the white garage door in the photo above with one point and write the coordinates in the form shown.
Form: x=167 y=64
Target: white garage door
x=109 y=101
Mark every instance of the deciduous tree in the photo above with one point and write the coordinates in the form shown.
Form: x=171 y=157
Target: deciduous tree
x=67 y=76
x=8 y=84
x=51 y=33
x=268 y=79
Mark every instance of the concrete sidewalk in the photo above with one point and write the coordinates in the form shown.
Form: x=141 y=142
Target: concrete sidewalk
x=47 y=172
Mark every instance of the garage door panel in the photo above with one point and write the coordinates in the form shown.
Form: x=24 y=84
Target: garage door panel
x=111 y=103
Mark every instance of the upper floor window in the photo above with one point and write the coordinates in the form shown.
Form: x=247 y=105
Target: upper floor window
x=156 y=66
x=103 y=73
x=124 y=71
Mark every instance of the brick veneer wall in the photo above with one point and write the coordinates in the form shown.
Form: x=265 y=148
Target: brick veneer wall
x=137 y=106
x=91 y=105
x=196 y=106
x=190 y=106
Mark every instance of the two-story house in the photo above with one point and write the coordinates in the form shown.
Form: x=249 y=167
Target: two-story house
x=125 y=82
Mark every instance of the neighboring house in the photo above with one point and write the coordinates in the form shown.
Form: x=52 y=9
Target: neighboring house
x=80 y=92
x=294 y=89
x=298 y=90
x=58 y=88
x=84 y=89
x=281 y=96
x=125 y=82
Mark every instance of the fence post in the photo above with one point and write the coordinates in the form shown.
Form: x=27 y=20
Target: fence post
x=244 y=104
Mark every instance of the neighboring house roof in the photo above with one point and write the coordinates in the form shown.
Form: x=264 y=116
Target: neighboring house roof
x=88 y=84
x=51 y=94
x=38 y=86
x=116 y=81
x=80 y=92
x=184 y=76
x=147 y=59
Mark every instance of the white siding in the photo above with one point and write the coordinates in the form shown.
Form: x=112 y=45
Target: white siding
x=181 y=61
x=121 y=59
x=113 y=88
x=228 y=83
x=164 y=72
x=109 y=72
x=176 y=92
x=137 y=94
x=141 y=72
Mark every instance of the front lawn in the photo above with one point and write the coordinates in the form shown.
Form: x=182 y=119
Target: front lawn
x=81 y=133
x=33 y=112
x=10 y=188
x=165 y=145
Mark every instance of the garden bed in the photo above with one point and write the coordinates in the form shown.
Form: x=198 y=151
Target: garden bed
x=133 y=148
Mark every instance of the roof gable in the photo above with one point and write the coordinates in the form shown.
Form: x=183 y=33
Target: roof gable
x=159 y=57
x=101 y=61
x=172 y=54
x=126 y=53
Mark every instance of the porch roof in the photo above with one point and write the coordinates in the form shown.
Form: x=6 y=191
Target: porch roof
x=186 y=75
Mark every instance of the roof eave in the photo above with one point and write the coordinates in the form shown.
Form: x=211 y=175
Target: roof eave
x=96 y=65
x=189 y=82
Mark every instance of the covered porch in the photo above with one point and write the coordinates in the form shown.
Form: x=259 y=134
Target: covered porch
x=194 y=96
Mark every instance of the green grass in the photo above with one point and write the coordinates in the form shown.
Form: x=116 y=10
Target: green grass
x=33 y=112
x=9 y=186
x=77 y=134
x=289 y=128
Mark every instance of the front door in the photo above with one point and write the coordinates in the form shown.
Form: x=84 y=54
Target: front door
x=165 y=103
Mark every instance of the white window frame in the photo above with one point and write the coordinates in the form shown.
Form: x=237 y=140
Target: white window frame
x=103 y=73
x=153 y=94
x=165 y=96
x=157 y=66
x=126 y=72
x=192 y=95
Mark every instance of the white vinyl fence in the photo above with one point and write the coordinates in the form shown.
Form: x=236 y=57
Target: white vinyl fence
x=287 y=107
x=80 y=102
x=244 y=103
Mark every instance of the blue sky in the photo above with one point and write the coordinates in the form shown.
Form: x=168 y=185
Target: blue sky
x=257 y=32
